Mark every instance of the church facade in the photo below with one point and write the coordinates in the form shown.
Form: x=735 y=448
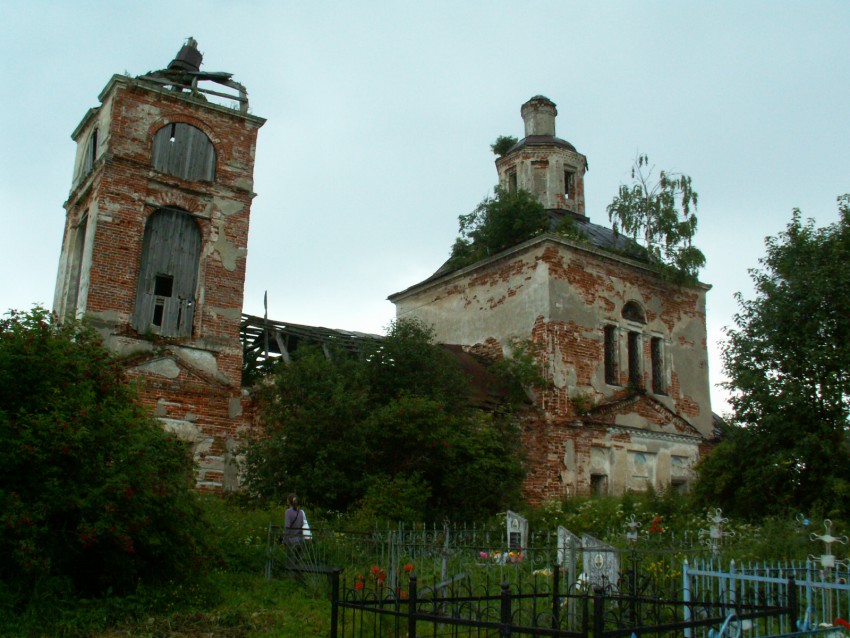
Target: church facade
x=622 y=349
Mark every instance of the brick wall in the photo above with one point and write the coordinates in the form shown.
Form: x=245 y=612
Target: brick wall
x=192 y=383
x=560 y=294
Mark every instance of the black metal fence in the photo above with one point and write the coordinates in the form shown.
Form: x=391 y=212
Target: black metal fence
x=460 y=607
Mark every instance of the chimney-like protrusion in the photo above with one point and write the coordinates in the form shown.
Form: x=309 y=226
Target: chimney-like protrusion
x=539 y=116
x=188 y=58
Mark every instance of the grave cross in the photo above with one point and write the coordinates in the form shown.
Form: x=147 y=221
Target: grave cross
x=827 y=559
x=632 y=529
x=712 y=537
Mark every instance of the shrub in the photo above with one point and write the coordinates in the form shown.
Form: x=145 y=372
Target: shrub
x=92 y=491
x=498 y=223
x=346 y=433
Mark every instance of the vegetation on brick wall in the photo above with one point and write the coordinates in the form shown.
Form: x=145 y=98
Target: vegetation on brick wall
x=660 y=214
x=497 y=223
x=94 y=495
x=788 y=364
x=390 y=434
x=503 y=144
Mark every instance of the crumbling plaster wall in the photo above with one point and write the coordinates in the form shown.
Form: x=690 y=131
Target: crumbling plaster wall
x=566 y=457
x=194 y=385
x=499 y=298
x=540 y=170
x=560 y=295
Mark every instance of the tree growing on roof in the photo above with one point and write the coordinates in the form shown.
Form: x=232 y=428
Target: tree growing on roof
x=788 y=363
x=503 y=144
x=660 y=214
x=497 y=223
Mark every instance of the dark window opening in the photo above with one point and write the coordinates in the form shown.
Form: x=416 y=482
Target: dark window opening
x=90 y=153
x=568 y=184
x=598 y=484
x=158 y=309
x=512 y=183
x=163 y=286
x=635 y=377
x=658 y=385
x=633 y=312
x=611 y=372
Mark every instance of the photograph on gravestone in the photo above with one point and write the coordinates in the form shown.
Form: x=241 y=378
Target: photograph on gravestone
x=517 y=531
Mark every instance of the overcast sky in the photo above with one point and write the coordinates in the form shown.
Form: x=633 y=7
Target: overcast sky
x=381 y=115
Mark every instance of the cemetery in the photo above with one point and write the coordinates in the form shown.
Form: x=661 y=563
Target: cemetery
x=516 y=581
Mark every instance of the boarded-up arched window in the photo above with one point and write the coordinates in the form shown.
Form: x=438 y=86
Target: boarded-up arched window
x=185 y=151
x=165 y=293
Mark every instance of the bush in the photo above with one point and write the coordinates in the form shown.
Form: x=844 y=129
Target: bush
x=93 y=492
x=499 y=222
x=345 y=433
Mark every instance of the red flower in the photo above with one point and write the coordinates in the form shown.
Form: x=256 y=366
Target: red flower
x=408 y=568
x=358 y=585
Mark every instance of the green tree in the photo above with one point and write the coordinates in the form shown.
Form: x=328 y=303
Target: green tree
x=503 y=144
x=407 y=362
x=499 y=222
x=395 y=423
x=788 y=363
x=313 y=443
x=92 y=490
x=661 y=216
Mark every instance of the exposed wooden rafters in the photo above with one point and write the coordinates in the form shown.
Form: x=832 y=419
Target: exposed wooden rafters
x=265 y=341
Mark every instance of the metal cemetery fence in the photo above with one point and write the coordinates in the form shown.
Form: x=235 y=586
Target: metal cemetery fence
x=821 y=596
x=460 y=608
x=478 y=582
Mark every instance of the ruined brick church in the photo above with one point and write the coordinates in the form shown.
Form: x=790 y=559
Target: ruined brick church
x=623 y=350
x=154 y=254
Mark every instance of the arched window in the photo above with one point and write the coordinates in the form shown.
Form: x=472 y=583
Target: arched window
x=633 y=312
x=165 y=293
x=185 y=151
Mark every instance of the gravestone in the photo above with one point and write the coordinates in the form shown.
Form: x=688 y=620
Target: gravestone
x=601 y=563
x=517 y=531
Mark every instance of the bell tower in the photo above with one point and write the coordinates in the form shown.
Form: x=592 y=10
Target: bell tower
x=547 y=166
x=155 y=243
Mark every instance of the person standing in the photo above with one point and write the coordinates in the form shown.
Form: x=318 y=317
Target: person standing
x=293 y=533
